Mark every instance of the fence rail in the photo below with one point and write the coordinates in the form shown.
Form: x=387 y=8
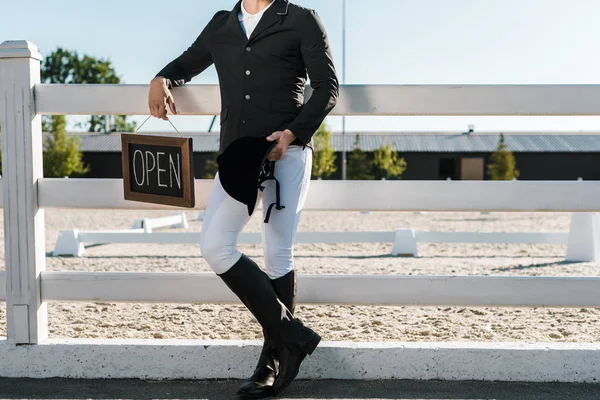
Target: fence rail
x=381 y=100
x=330 y=289
x=501 y=291
x=361 y=195
x=404 y=241
x=558 y=238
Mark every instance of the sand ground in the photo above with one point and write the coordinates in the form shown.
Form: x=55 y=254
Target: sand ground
x=356 y=323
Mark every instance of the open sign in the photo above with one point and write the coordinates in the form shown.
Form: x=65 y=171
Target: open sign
x=158 y=169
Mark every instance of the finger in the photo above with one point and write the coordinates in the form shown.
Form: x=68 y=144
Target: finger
x=165 y=111
x=162 y=111
x=171 y=102
x=154 y=111
x=151 y=107
x=274 y=136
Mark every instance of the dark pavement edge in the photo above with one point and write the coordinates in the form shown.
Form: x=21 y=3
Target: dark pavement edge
x=308 y=390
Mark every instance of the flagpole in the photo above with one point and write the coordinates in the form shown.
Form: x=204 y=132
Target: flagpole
x=344 y=161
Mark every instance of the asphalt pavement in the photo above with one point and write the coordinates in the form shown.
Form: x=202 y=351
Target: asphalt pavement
x=306 y=390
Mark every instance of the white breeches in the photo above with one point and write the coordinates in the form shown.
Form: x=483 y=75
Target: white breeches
x=225 y=217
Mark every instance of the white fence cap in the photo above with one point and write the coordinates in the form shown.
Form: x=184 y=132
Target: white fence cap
x=19 y=49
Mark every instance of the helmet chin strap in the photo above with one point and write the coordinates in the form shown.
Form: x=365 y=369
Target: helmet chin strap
x=268 y=174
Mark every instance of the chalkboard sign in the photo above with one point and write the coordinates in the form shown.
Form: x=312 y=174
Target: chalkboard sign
x=158 y=169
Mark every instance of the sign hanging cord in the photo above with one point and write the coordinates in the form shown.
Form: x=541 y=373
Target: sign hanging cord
x=150 y=116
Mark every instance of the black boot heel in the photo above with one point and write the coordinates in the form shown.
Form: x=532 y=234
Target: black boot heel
x=290 y=359
x=312 y=345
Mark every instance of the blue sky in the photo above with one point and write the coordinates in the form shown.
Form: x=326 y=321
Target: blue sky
x=388 y=42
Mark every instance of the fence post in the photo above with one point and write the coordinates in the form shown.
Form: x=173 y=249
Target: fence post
x=26 y=315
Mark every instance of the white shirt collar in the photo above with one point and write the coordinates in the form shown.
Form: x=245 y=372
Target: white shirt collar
x=244 y=15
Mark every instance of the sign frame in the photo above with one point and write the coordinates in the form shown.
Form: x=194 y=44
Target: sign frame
x=187 y=171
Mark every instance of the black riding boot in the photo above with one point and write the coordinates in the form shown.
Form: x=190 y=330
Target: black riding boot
x=266 y=369
x=291 y=339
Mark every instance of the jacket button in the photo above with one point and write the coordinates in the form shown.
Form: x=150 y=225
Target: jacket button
x=247 y=97
x=248 y=72
x=248 y=48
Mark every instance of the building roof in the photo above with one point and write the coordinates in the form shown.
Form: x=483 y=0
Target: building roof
x=426 y=142
x=467 y=143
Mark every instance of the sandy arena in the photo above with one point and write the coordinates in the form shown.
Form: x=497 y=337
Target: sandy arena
x=355 y=323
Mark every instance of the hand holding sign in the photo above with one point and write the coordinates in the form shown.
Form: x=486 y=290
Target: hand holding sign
x=158 y=98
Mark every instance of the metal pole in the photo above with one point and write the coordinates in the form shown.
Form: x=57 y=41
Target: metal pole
x=344 y=161
x=212 y=123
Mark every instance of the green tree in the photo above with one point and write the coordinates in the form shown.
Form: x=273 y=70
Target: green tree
x=360 y=167
x=65 y=66
x=211 y=167
x=323 y=164
x=387 y=165
x=62 y=156
x=503 y=166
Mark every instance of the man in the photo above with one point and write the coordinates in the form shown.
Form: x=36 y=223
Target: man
x=262 y=51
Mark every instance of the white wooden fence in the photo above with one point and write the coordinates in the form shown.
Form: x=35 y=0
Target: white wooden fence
x=26 y=194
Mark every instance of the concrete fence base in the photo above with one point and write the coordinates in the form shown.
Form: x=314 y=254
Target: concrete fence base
x=193 y=359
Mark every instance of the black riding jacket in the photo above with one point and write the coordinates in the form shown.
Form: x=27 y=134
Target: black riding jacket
x=262 y=79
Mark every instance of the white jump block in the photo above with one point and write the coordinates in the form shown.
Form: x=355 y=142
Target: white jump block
x=68 y=244
x=584 y=237
x=405 y=243
x=172 y=221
